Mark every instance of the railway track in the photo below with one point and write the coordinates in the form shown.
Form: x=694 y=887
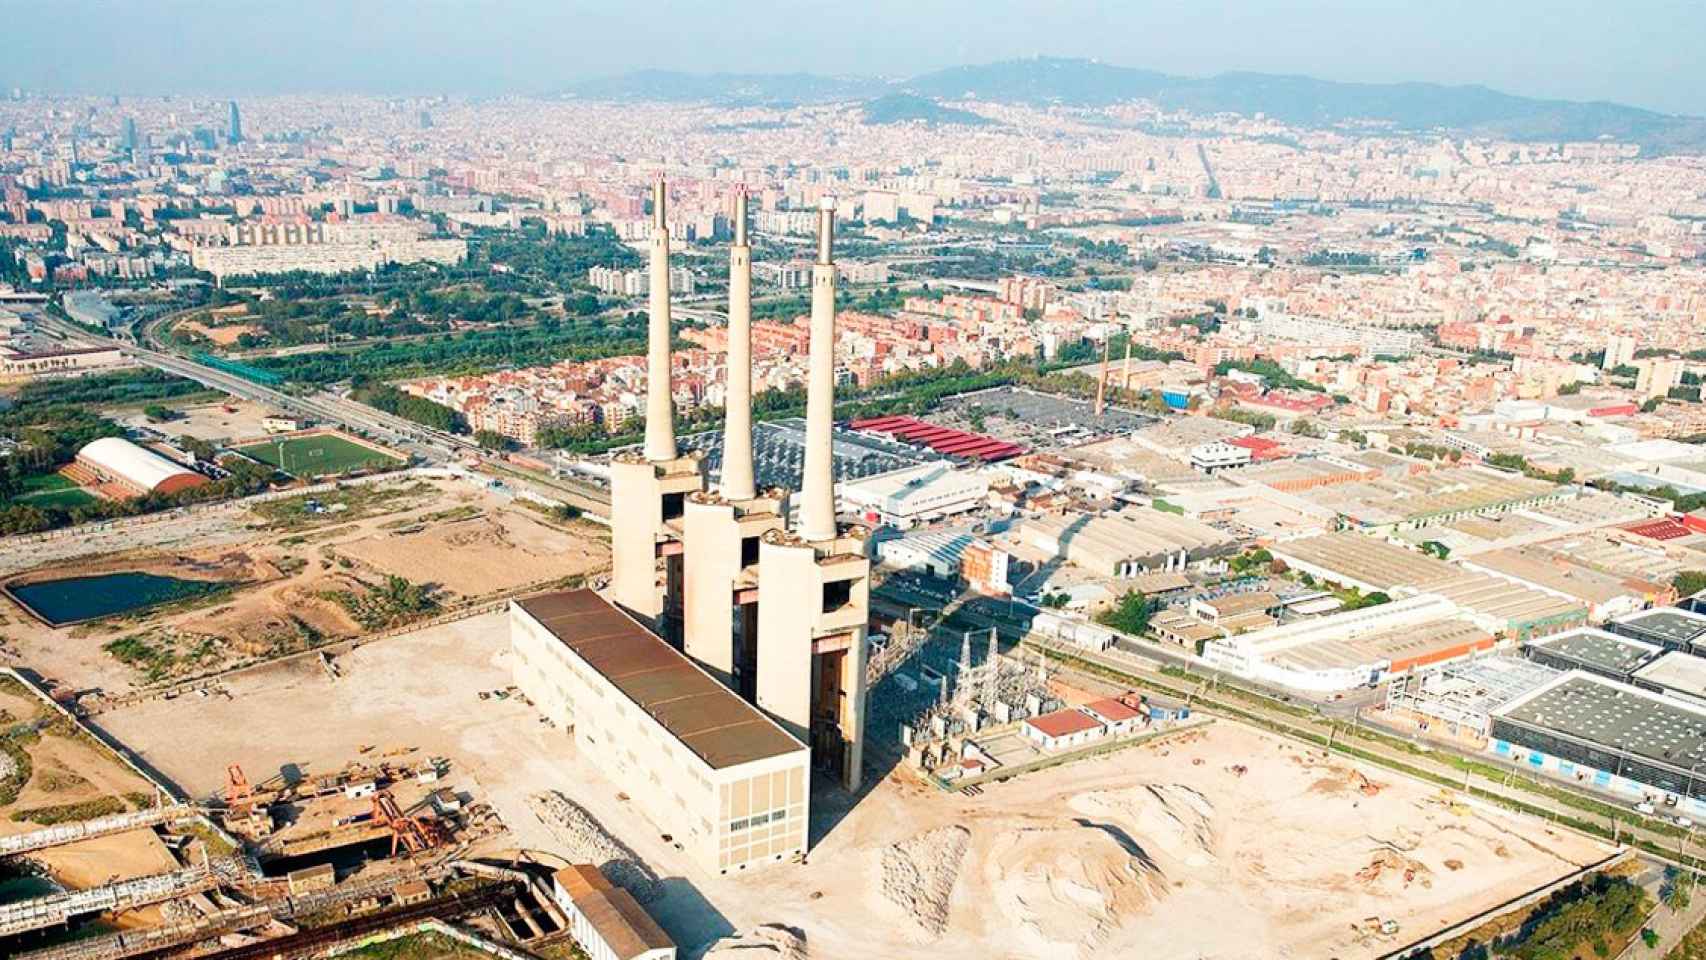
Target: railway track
x=311 y=941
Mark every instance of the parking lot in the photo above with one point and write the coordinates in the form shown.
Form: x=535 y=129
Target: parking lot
x=1037 y=419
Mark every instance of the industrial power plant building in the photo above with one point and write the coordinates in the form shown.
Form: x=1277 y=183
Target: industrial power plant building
x=726 y=660
x=729 y=783
x=137 y=470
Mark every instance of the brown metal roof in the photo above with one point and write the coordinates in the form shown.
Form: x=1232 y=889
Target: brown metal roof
x=623 y=924
x=711 y=720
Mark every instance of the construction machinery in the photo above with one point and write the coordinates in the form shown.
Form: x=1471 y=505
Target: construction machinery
x=410 y=832
x=239 y=793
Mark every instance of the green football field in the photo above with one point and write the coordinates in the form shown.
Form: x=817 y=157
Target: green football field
x=316 y=456
x=52 y=490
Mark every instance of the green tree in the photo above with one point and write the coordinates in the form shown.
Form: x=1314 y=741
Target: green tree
x=491 y=440
x=1689 y=582
x=1131 y=615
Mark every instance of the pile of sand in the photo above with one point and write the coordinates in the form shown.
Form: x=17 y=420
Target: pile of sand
x=1177 y=820
x=1066 y=890
x=772 y=941
x=1391 y=869
x=919 y=875
x=585 y=841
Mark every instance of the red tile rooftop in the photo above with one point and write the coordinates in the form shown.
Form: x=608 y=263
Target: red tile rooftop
x=1112 y=710
x=1064 y=723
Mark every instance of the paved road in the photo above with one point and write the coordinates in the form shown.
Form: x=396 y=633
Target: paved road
x=1671 y=926
x=433 y=446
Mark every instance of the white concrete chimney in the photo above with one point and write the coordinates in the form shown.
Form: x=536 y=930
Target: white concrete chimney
x=737 y=409
x=660 y=409
x=817 y=506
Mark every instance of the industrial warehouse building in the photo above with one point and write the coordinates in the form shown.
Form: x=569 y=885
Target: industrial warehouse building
x=949 y=556
x=1669 y=627
x=1674 y=674
x=137 y=470
x=1346 y=650
x=1583 y=727
x=908 y=497
x=1371 y=564
x=730 y=784
x=1129 y=542
x=605 y=920
x=1458 y=699
x=1593 y=650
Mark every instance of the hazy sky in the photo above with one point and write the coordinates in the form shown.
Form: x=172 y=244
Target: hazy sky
x=1641 y=52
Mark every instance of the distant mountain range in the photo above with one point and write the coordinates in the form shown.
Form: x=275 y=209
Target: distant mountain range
x=1297 y=100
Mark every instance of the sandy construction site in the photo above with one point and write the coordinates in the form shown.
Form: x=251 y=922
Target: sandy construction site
x=68 y=776
x=291 y=568
x=1218 y=843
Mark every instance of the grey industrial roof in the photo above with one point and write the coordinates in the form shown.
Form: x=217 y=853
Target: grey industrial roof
x=779 y=450
x=1676 y=671
x=1675 y=626
x=1615 y=716
x=1598 y=649
x=704 y=715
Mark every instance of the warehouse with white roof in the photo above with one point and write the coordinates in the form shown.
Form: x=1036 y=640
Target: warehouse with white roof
x=115 y=460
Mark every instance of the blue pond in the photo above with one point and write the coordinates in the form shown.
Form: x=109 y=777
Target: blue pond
x=86 y=598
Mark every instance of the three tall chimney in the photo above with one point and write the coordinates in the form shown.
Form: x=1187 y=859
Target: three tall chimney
x=737 y=409
x=660 y=408
x=817 y=507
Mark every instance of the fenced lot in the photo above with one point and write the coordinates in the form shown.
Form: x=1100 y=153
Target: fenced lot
x=317 y=454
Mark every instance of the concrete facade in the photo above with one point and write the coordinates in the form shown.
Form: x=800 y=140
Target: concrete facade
x=729 y=783
x=647 y=502
x=814 y=610
x=778 y=618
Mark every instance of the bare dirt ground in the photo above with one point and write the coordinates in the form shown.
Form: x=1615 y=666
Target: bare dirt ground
x=70 y=769
x=227 y=420
x=1164 y=850
x=477 y=555
x=222 y=334
x=290 y=564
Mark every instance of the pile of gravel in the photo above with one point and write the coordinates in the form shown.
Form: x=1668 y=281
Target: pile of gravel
x=919 y=875
x=585 y=841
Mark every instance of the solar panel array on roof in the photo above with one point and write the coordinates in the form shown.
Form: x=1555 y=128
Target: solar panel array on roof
x=718 y=726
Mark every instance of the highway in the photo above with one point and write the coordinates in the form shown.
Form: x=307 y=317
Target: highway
x=432 y=446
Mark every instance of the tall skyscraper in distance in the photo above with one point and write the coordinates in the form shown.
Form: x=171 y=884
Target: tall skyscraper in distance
x=234 y=125
x=128 y=134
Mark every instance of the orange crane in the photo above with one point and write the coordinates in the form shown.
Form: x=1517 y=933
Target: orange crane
x=412 y=833
x=239 y=794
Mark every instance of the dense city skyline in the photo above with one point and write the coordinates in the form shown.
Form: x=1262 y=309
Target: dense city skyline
x=794 y=481
x=1565 y=52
